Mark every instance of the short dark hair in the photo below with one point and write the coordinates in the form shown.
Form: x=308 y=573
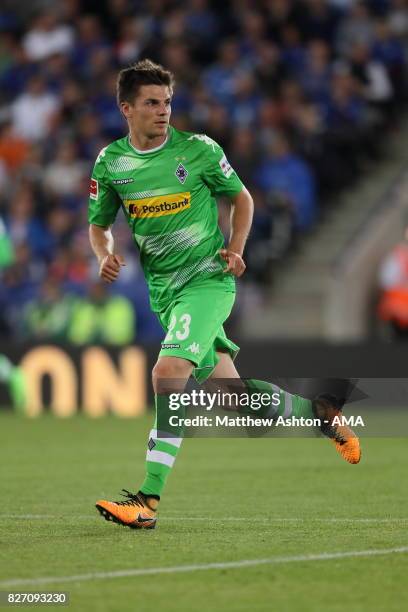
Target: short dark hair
x=144 y=72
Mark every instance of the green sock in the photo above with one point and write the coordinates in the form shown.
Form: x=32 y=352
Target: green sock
x=289 y=405
x=162 y=448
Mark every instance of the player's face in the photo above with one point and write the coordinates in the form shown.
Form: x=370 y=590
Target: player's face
x=149 y=115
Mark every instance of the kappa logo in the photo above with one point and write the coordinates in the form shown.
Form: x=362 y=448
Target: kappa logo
x=158 y=206
x=181 y=173
x=122 y=181
x=194 y=348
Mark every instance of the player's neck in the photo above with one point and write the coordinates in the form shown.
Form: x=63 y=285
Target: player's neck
x=144 y=143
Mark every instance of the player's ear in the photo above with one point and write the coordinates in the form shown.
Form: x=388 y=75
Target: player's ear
x=126 y=110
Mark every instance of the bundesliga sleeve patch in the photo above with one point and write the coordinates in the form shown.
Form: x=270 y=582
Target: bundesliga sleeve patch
x=94 y=189
x=225 y=166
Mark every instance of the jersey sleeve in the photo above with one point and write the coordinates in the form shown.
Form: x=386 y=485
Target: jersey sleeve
x=218 y=173
x=104 y=202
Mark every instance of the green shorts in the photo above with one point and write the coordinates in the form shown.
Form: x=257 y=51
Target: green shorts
x=194 y=326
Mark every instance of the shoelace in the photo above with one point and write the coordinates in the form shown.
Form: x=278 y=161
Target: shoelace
x=339 y=437
x=332 y=432
x=132 y=499
x=336 y=435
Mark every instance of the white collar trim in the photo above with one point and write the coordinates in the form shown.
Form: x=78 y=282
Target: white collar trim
x=149 y=150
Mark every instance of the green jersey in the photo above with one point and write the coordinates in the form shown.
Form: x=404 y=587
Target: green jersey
x=168 y=197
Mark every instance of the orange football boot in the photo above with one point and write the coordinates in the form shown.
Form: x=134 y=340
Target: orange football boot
x=136 y=511
x=326 y=407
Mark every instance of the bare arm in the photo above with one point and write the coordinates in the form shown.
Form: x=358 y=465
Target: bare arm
x=102 y=244
x=241 y=221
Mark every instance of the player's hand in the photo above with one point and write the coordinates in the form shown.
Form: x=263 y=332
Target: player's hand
x=110 y=267
x=236 y=264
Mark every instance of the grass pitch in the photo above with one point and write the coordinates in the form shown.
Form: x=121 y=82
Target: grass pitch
x=227 y=501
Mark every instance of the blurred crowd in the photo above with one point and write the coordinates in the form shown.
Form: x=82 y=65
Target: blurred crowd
x=300 y=93
x=392 y=305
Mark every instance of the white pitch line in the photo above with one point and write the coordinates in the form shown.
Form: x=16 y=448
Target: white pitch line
x=274 y=519
x=178 y=569
x=225 y=519
x=43 y=517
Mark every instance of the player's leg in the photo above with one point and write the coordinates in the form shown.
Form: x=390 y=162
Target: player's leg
x=225 y=367
x=191 y=325
x=170 y=375
x=324 y=407
x=287 y=405
x=138 y=510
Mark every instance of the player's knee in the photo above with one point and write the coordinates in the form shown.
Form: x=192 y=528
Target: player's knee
x=170 y=368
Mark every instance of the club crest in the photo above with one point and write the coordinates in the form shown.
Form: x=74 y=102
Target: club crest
x=181 y=173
